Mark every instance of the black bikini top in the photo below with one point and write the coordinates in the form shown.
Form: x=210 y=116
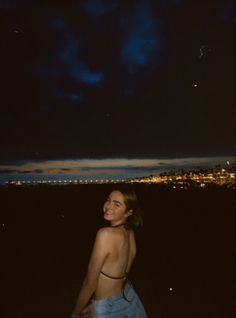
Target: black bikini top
x=112 y=277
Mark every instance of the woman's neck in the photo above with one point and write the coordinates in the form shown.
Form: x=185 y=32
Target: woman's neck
x=117 y=225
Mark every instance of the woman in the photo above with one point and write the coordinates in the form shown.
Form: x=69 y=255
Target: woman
x=111 y=259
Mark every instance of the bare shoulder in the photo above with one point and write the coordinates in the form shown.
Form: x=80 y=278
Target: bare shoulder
x=103 y=233
x=104 y=238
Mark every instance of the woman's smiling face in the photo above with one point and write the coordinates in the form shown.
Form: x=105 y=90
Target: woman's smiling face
x=115 y=209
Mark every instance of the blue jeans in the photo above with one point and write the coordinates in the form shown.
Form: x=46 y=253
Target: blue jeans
x=116 y=306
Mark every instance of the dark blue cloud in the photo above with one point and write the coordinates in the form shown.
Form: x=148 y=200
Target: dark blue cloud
x=68 y=58
x=91 y=78
x=70 y=96
x=98 y=7
x=68 y=40
x=142 y=40
x=75 y=97
x=66 y=65
x=228 y=14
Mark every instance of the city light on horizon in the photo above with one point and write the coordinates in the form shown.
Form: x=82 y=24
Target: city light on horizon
x=182 y=179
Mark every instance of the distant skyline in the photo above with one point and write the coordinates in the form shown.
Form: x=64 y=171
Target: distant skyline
x=119 y=168
x=116 y=79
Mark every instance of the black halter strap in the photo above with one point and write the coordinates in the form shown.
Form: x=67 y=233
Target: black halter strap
x=118 y=225
x=112 y=277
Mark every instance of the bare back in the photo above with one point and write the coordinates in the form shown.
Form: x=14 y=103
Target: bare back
x=122 y=250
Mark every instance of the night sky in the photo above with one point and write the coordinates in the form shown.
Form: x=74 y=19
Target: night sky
x=116 y=79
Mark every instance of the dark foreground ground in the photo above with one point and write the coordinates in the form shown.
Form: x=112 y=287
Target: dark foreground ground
x=187 y=244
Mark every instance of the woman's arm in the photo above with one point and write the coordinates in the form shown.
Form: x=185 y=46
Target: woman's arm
x=97 y=259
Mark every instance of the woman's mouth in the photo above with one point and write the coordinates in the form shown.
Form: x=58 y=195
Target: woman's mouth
x=107 y=213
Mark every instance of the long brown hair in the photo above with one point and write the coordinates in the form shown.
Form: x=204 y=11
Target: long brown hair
x=131 y=202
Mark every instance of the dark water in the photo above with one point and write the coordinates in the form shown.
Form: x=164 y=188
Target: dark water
x=187 y=244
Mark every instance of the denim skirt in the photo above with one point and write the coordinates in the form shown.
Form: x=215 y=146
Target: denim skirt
x=118 y=306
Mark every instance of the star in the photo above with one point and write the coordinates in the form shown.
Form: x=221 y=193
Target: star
x=17 y=31
x=204 y=50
